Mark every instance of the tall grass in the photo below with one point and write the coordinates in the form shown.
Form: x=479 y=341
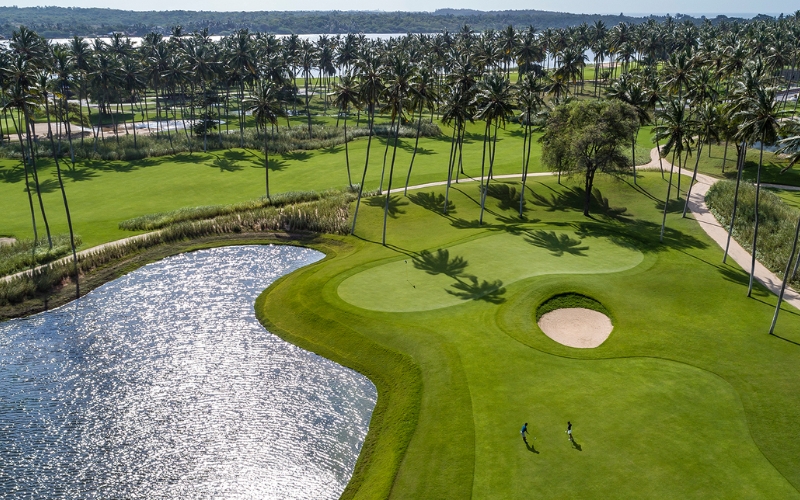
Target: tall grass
x=776 y=227
x=281 y=140
x=23 y=254
x=325 y=212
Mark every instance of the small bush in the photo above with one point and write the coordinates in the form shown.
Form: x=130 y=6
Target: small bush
x=21 y=255
x=569 y=300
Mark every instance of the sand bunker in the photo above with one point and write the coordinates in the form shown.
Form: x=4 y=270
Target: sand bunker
x=576 y=327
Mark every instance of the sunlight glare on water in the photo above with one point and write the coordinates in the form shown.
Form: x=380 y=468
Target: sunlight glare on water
x=163 y=384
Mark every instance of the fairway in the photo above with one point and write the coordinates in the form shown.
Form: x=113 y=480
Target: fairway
x=453 y=275
x=687 y=398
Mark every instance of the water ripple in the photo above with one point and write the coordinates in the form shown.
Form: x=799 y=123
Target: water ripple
x=162 y=384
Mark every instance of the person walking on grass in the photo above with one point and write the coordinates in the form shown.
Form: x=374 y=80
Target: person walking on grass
x=524 y=432
x=569 y=430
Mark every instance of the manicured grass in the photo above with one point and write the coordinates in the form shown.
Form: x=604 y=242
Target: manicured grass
x=104 y=193
x=688 y=398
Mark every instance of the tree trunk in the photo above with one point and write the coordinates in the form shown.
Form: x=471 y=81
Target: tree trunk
x=740 y=167
x=483 y=165
x=389 y=187
x=266 y=160
x=370 y=119
x=66 y=204
x=694 y=176
x=755 y=226
x=27 y=181
x=347 y=152
x=785 y=279
x=414 y=154
x=724 y=155
x=29 y=129
x=450 y=165
x=666 y=202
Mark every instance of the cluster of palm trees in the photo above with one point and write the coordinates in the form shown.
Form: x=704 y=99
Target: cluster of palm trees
x=699 y=84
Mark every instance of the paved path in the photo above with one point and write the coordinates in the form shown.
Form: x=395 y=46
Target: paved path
x=712 y=227
x=697 y=206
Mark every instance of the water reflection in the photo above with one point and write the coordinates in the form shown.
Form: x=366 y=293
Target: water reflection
x=163 y=384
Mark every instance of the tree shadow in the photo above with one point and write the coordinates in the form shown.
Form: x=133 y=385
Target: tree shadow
x=226 y=165
x=432 y=202
x=557 y=244
x=674 y=205
x=79 y=174
x=491 y=292
x=297 y=155
x=395 y=202
x=45 y=186
x=12 y=175
x=440 y=263
x=507 y=196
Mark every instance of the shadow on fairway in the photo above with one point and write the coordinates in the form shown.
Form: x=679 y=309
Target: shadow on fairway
x=440 y=263
x=226 y=165
x=576 y=445
x=557 y=244
x=12 y=175
x=491 y=292
x=432 y=202
x=395 y=202
x=79 y=174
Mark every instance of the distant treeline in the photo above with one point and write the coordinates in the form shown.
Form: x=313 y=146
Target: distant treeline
x=59 y=22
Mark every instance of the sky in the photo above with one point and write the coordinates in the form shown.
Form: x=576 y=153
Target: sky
x=629 y=7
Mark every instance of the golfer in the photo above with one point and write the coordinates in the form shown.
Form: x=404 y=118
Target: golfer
x=524 y=432
x=569 y=430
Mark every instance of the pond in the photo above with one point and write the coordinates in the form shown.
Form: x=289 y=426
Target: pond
x=163 y=384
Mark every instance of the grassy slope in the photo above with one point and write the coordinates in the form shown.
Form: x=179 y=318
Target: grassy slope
x=102 y=194
x=689 y=397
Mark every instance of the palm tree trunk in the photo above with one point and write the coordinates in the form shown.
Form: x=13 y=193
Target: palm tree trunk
x=414 y=154
x=370 y=119
x=389 y=187
x=666 y=202
x=450 y=164
x=525 y=171
x=266 y=160
x=785 y=279
x=385 y=153
x=633 y=157
x=755 y=212
x=27 y=180
x=483 y=165
x=694 y=176
x=29 y=129
x=347 y=153
x=724 y=155
x=64 y=197
x=740 y=167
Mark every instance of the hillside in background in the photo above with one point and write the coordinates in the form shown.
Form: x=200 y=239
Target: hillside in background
x=55 y=22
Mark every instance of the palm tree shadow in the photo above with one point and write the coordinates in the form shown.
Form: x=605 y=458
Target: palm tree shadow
x=395 y=202
x=297 y=155
x=12 y=175
x=45 y=186
x=506 y=196
x=474 y=290
x=79 y=174
x=440 y=263
x=557 y=244
x=226 y=165
x=432 y=202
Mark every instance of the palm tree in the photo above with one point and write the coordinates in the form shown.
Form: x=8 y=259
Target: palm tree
x=457 y=110
x=370 y=90
x=493 y=101
x=346 y=95
x=423 y=95
x=676 y=128
x=760 y=115
x=43 y=87
x=266 y=108
x=707 y=116
x=529 y=93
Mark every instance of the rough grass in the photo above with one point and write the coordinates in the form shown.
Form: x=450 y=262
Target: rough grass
x=323 y=213
x=777 y=222
x=22 y=254
x=569 y=300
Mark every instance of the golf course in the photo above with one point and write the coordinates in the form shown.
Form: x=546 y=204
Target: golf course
x=576 y=250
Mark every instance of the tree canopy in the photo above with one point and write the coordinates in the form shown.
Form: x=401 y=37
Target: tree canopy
x=584 y=137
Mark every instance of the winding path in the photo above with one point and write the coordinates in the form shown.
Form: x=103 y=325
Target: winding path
x=697 y=206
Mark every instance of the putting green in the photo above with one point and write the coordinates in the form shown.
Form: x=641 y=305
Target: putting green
x=479 y=269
